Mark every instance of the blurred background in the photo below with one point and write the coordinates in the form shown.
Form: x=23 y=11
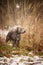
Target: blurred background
x=28 y=14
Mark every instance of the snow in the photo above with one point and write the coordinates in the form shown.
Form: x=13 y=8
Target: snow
x=16 y=60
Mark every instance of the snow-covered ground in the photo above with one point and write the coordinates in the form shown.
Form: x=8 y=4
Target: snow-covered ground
x=21 y=60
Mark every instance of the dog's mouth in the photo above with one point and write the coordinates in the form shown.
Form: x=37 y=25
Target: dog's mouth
x=23 y=31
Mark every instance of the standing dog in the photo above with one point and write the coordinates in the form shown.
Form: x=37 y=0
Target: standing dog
x=15 y=35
